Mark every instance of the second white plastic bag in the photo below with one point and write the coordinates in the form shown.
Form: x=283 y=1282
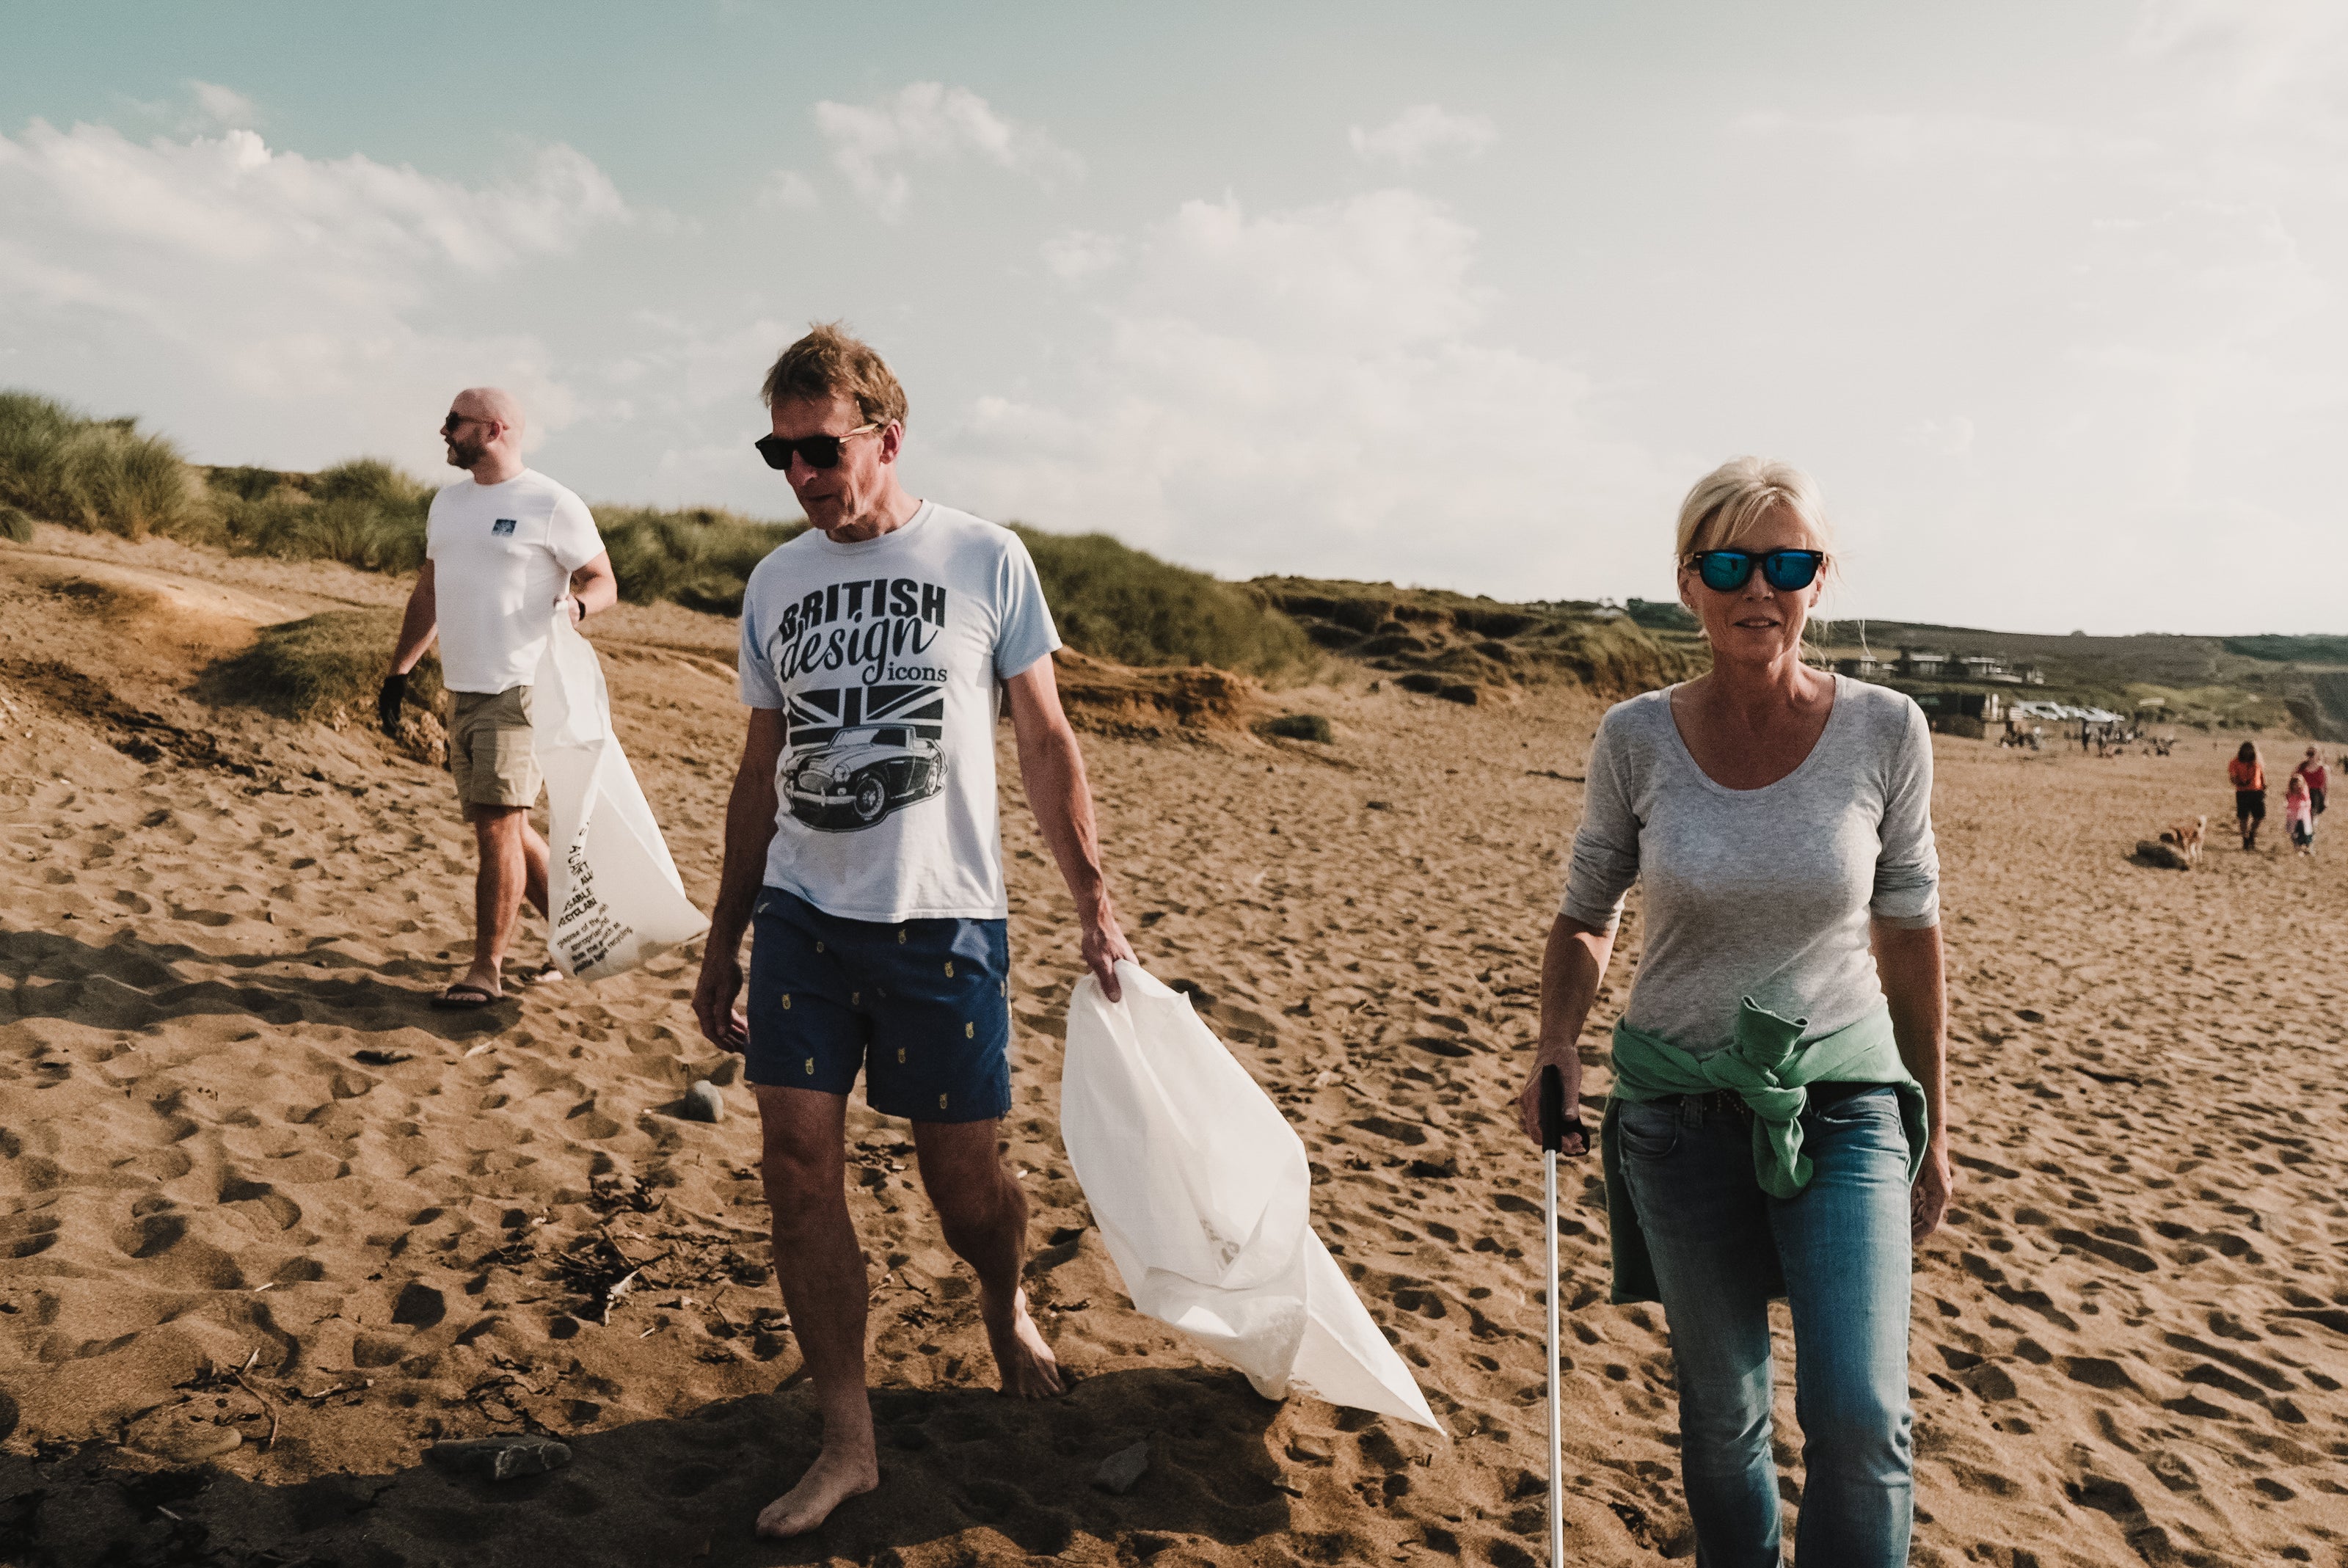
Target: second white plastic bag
x=1203 y=1198
x=615 y=897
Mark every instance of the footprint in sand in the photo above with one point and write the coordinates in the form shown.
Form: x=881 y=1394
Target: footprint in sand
x=265 y=1201
x=27 y=1235
x=150 y=1236
x=419 y=1307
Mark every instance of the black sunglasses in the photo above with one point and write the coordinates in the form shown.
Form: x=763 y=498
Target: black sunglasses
x=816 y=452
x=1726 y=571
x=449 y=426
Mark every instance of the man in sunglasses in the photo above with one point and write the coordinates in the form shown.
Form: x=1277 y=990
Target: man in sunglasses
x=504 y=548
x=862 y=847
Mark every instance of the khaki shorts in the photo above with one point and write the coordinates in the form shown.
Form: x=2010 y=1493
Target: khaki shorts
x=490 y=749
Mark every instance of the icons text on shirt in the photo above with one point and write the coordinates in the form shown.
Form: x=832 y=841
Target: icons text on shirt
x=504 y=526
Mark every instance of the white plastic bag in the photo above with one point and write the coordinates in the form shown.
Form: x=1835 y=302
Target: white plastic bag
x=1200 y=1190
x=614 y=892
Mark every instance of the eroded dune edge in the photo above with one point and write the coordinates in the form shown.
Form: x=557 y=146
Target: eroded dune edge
x=249 y=1183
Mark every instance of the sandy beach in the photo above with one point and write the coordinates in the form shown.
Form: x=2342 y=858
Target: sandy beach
x=271 y=1227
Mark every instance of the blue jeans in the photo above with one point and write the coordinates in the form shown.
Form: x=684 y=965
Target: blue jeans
x=1843 y=1248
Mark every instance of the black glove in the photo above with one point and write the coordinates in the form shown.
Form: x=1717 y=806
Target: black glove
x=387 y=705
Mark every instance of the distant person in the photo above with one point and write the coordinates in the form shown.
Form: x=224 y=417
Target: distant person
x=2298 y=814
x=505 y=547
x=2249 y=776
x=862 y=845
x=1781 y=820
x=2318 y=778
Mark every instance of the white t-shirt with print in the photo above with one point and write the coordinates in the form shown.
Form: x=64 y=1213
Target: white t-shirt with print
x=501 y=555
x=887 y=659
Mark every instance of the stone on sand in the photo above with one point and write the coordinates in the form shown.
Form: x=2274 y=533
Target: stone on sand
x=703 y=1103
x=1122 y=1470
x=1300 y=726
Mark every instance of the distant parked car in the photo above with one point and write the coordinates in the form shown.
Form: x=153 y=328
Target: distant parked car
x=862 y=774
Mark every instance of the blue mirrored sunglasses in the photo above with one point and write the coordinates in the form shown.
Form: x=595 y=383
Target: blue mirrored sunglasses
x=1725 y=570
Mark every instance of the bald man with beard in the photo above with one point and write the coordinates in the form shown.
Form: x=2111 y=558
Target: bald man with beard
x=506 y=546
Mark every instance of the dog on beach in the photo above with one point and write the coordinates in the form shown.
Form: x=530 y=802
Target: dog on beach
x=2187 y=836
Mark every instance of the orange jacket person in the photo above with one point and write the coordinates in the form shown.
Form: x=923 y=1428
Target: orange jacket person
x=2249 y=776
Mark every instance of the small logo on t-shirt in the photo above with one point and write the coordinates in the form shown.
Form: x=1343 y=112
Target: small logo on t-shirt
x=502 y=527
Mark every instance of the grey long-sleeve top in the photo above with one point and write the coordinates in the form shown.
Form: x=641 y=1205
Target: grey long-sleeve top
x=1764 y=893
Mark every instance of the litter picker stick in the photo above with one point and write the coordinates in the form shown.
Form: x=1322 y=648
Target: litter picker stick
x=1552 y=1125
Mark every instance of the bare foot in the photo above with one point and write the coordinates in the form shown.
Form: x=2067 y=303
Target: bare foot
x=1028 y=1369
x=831 y=1481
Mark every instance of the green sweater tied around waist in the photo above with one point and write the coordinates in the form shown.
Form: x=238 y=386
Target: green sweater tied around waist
x=1769 y=1065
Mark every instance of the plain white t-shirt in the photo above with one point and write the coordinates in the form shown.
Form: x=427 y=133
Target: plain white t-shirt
x=887 y=658
x=501 y=556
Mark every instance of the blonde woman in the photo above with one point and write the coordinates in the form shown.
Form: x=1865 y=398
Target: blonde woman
x=1778 y=1122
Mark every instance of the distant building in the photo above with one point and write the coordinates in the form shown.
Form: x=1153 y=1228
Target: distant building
x=1864 y=667
x=1922 y=665
x=1992 y=670
x=1969 y=713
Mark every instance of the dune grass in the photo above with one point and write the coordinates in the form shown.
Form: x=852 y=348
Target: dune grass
x=1117 y=603
x=2206 y=706
x=58 y=465
x=700 y=558
x=99 y=475
x=326 y=668
x=1449 y=644
x=364 y=513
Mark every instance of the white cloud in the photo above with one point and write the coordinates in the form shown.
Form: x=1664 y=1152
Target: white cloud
x=1418 y=134
x=230 y=199
x=1080 y=253
x=221 y=109
x=1984 y=142
x=929 y=122
x=279 y=308
x=2259 y=59
x=787 y=191
x=1310 y=391
x=2132 y=292
x=1951 y=438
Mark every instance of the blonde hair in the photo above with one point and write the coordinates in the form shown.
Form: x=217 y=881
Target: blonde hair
x=1731 y=502
x=828 y=363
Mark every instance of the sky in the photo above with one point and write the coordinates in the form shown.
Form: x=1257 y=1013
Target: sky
x=2048 y=298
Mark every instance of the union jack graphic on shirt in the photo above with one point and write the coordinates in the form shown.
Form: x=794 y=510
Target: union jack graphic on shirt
x=815 y=716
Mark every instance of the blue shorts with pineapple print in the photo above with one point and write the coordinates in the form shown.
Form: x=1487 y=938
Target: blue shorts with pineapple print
x=921 y=1007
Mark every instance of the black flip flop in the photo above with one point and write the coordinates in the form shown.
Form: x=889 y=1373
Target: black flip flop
x=463 y=998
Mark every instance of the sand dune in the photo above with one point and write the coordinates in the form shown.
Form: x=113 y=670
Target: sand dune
x=249 y=1183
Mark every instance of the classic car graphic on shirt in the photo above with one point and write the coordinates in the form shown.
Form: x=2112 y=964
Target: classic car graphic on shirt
x=861 y=775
